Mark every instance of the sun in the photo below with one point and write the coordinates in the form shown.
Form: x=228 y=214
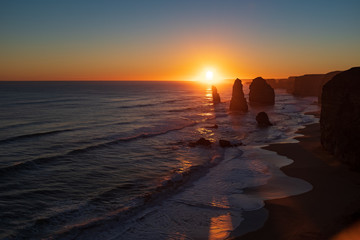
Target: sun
x=209 y=75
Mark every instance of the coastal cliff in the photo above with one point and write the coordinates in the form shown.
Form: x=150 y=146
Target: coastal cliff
x=311 y=84
x=340 y=116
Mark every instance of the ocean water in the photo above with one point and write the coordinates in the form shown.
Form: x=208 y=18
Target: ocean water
x=111 y=160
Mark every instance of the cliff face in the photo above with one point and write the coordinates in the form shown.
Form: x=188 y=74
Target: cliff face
x=311 y=84
x=327 y=77
x=261 y=93
x=307 y=85
x=340 y=116
x=238 y=101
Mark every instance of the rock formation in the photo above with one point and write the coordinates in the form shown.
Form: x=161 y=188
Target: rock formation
x=225 y=143
x=201 y=142
x=215 y=95
x=263 y=120
x=238 y=101
x=340 y=116
x=311 y=84
x=327 y=77
x=261 y=92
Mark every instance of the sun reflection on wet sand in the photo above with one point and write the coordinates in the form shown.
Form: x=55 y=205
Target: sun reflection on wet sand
x=220 y=227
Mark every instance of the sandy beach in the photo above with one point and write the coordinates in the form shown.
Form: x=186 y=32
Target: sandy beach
x=329 y=211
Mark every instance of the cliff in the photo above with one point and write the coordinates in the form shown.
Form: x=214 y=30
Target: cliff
x=327 y=77
x=307 y=85
x=261 y=92
x=340 y=116
x=311 y=84
x=238 y=101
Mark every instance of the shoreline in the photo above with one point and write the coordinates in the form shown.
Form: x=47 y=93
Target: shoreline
x=329 y=208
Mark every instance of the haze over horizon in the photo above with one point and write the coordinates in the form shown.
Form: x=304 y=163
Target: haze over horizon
x=168 y=40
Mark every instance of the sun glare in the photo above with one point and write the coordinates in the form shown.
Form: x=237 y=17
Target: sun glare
x=209 y=75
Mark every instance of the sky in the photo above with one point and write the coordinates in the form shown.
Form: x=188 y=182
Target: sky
x=176 y=40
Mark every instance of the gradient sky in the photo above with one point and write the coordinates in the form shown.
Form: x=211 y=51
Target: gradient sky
x=175 y=40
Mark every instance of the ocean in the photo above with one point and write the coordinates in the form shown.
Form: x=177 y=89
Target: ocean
x=111 y=160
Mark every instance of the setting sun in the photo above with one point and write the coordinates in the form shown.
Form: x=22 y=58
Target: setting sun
x=209 y=75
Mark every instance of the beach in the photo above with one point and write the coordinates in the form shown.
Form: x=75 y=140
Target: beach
x=328 y=211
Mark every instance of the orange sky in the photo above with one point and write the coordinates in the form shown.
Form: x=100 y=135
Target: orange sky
x=175 y=41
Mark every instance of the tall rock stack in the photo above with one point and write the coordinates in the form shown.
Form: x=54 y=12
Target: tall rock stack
x=238 y=102
x=261 y=92
x=340 y=116
x=215 y=95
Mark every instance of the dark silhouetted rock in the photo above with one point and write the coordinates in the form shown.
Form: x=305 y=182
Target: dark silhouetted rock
x=311 y=84
x=225 y=143
x=200 y=142
x=215 y=95
x=261 y=92
x=327 y=77
x=340 y=117
x=215 y=126
x=238 y=101
x=263 y=119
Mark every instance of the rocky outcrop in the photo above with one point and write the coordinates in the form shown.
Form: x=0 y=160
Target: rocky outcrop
x=340 y=116
x=327 y=77
x=307 y=85
x=215 y=95
x=238 y=102
x=311 y=84
x=262 y=120
x=201 y=142
x=261 y=93
x=225 y=143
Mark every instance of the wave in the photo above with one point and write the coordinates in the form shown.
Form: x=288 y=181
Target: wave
x=32 y=135
x=30 y=164
x=176 y=182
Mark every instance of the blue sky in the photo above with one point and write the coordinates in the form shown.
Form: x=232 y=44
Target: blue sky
x=171 y=39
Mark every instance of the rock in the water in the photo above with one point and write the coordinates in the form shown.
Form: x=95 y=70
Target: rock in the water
x=225 y=143
x=263 y=119
x=200 y=142
x=215 y=95
x=238 y=101
x=340 y=116
x=215 y=126
x=261 y=92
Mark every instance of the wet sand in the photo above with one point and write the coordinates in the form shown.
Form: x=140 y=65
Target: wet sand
x=332 y=207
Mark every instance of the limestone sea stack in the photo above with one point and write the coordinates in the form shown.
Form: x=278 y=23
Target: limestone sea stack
x=215 y=95
x=262 y=119
x=261 y=93
x=238 y=102
x=340 y=116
